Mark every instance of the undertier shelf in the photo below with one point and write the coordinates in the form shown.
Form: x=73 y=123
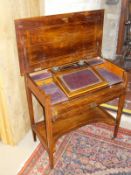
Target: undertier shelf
x=70 y=122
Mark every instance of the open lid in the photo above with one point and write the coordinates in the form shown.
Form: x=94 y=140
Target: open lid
x=48 y=41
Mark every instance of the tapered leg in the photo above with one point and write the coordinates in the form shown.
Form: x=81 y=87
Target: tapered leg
x=51 y=159
x=119 y=112
x=49 y=131
x=31 y=111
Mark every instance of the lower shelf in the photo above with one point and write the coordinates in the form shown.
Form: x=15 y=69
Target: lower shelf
x=64 y=125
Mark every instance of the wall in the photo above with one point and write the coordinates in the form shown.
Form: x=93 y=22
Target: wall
x=111 y=26
x=12 y=84
x=58 y=6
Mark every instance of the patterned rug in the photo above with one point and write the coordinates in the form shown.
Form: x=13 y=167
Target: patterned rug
x=89 y=150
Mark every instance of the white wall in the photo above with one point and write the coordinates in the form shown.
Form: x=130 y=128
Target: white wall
x=111 y=27
x=64 y=6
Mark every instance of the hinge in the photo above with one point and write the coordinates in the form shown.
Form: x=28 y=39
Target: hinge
x=37 y=69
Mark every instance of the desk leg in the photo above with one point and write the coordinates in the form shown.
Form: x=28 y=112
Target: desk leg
x=119 y=112
x=31 y=112
x=49 y=132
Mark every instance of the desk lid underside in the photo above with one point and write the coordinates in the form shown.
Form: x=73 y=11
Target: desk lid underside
x=48 y=41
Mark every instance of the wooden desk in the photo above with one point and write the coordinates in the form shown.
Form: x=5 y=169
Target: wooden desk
x=58 y=40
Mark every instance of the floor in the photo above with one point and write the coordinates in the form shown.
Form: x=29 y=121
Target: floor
x=13 y=158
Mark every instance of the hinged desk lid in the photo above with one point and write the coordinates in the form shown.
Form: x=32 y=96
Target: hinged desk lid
x=49 y=41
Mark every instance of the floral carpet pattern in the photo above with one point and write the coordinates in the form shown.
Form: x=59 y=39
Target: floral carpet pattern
x=89 y=150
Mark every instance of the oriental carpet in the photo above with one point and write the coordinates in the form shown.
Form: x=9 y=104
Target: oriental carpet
x=88 y=150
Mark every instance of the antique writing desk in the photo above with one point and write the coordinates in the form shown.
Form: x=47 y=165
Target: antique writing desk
x=59 y=56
